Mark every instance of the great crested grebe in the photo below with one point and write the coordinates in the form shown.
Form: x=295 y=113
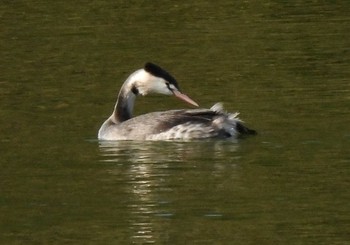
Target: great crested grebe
x=182 y=124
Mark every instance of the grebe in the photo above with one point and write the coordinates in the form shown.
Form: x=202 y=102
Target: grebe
x=182 y=124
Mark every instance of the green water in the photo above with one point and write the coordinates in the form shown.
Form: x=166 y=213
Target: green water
x=285 y=66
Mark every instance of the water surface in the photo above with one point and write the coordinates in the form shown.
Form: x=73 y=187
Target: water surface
x=284 y=66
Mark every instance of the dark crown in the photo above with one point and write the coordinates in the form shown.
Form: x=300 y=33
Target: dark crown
x=159 y=72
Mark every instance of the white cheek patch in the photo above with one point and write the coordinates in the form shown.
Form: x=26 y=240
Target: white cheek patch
x=159 y=86
x=146 y=83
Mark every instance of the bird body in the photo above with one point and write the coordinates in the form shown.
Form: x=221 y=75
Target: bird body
x=184 y=124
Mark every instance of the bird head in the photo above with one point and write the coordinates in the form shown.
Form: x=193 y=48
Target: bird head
x=154 y=79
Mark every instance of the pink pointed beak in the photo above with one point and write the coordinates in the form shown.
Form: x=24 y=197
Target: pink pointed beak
x=184 y=97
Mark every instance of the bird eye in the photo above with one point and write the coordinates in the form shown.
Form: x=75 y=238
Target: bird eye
x=168 y=86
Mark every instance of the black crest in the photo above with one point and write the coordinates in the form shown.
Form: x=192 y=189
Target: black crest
x=159 y=72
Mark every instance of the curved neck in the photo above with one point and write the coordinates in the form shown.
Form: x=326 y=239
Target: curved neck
x=125 y=103
x=124 y=107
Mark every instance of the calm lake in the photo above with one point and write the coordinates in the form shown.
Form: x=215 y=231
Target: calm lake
x=284 y=65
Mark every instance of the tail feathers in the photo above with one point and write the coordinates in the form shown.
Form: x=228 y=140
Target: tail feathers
x=228 y=123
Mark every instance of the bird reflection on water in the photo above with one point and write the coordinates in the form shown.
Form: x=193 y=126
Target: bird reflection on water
x=151 y=173
x=164 y=151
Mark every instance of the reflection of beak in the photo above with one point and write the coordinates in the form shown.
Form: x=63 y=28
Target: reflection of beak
x=184 y=97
